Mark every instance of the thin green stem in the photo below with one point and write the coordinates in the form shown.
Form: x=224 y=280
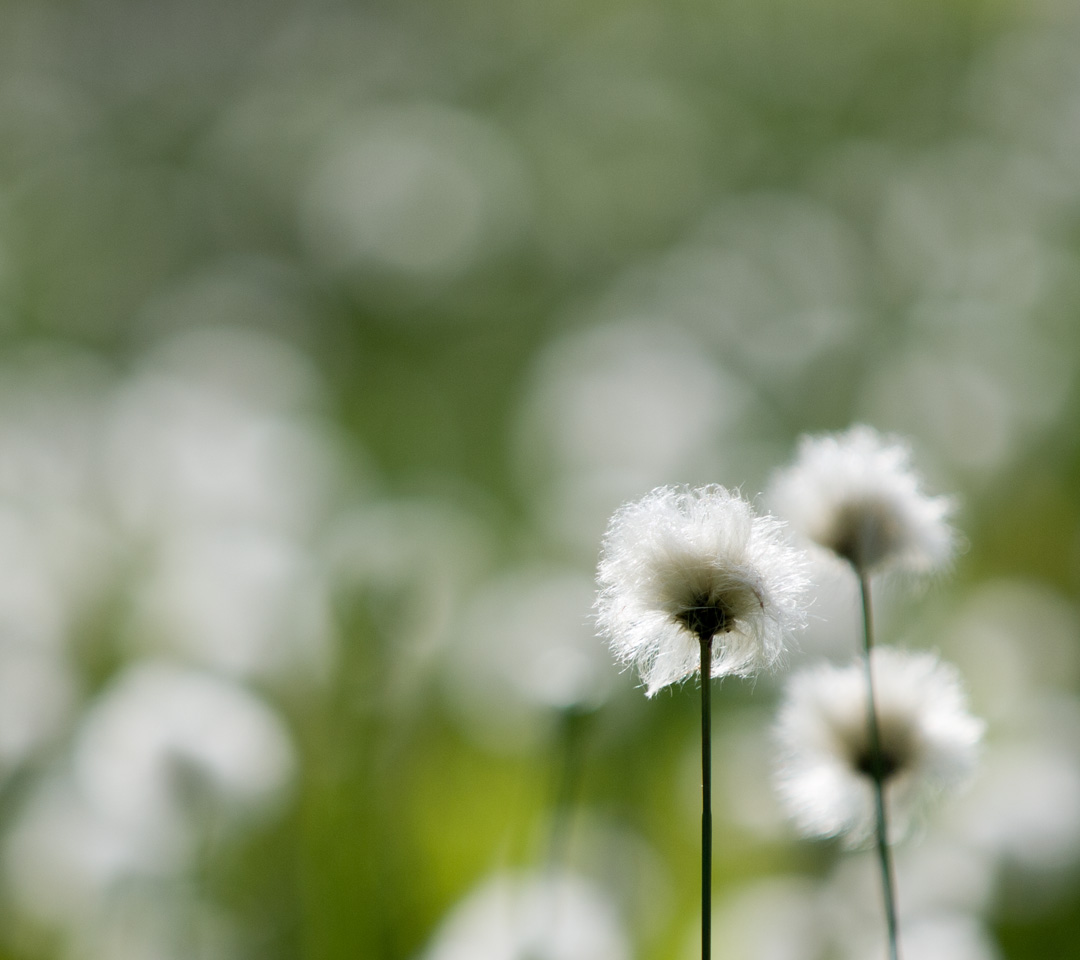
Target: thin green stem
x=888 y=885
x=706 y=798
x=572 y=721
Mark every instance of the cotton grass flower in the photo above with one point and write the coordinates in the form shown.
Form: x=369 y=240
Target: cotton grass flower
x=856 y=495
x=929 y=742
x=683 y=565
x=690 y=579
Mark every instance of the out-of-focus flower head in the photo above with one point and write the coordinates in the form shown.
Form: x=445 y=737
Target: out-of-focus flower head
x=37 y=694
x=683 y=564
x=554 y=916
x=947 y=889
x=855 y=494
x=524 y=653
x=222 y=478
x=61 y=857
x=839 y=916
x=166 y=758
x=929 y=741
x=165 y=746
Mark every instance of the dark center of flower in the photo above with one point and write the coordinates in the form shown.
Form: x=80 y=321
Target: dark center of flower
x=865 y=533
x=706 y=618
x=891 y=762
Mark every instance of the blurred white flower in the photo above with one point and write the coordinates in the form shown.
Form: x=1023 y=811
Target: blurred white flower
x=989 y=637
x=60 y=855
x=419 y=189
x=1024 y=809
x=855 y=494
x=531 y=917
x=684 y=563
x=941 y=873
x=57 y=551
x=156 y=919
x=839 y=917
x=929 y=741
x=167 y=745
x=37 y=693
x=164 y=758
x=112 y=894
x=778 y=918
x=618 y=405
x=221 y=484
x=213 y=428
x=775 y=279
x=1015 y=642
x=946 y=936
x=525 y=650
x=410 y=562
x=242 y=600
x=945 y=891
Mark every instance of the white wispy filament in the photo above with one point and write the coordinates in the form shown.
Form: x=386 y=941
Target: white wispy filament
x=855 y=494
x=686 y=562
x=929 y=742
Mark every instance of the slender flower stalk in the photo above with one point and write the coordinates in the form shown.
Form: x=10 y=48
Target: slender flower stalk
x=877 y=770
x=706 y=800
x=692 y=581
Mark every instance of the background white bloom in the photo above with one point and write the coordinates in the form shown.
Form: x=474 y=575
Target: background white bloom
x=929 y=741
x=838 y=916
x=161 y=731
x=166 y=763
x=555 y=916
x=524 y=652
x=684 y=562
x=221 y=478
x=855 y=494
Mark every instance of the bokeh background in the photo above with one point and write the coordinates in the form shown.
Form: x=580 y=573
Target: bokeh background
x=330 y=336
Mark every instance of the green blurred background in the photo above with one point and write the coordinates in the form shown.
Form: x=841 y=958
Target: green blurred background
x=330 y=336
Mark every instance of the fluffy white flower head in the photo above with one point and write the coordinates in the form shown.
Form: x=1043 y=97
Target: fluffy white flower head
x=683 y=563
x=855 y=494
x=929 y=742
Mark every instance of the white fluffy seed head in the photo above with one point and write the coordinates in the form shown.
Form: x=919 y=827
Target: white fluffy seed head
x=855 y=494
x=685 y=561
x=929 y=742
